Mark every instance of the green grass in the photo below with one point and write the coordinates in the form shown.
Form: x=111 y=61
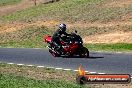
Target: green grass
x=110 y=47
x=71 y=10
x=87 y=31
x=11 y=81
x=8 y=2
x=14 y=76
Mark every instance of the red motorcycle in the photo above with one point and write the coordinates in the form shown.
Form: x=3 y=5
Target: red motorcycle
x=72 y=46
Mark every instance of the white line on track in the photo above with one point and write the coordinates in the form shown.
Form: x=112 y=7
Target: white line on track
x=93 y=72
x=30 y=65
x=86 y=71
x=58 y=68
x=40 y=66
x=75 y=70
x=101 y=73
x=111 y=52
x=50 y=67
x=67 y=69
x=20 y=64
x=10 y=63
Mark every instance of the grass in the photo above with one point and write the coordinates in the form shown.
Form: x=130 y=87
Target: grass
x=71 y=10
x=13 y=76
x=37 y=73
x=87 y=31
x=29 y=37
x=110 y=47
x=11 y=81
x=8 y=2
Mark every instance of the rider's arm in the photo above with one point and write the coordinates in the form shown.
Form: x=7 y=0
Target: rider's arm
x=66 y=34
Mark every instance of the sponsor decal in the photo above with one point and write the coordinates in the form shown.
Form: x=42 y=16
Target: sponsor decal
x=83 y=78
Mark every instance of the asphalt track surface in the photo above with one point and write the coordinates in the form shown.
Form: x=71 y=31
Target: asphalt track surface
x=98 y=62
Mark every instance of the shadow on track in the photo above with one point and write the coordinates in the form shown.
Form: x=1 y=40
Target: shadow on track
x=95 y=57
x=90 y=57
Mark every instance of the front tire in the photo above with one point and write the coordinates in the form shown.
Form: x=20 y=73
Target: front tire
x=84 y=52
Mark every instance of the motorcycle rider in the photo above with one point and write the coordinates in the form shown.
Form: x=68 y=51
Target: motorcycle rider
x=57 y=35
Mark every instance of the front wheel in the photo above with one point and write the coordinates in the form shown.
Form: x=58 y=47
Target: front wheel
x=84 y=52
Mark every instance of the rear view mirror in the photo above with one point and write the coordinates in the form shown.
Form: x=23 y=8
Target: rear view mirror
x=75 y=31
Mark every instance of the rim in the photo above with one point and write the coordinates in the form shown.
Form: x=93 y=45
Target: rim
x=85 y=53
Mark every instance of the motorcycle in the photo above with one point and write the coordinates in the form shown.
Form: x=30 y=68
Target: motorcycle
x=72 y=46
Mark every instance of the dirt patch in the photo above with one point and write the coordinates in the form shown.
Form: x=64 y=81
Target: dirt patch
x=116 y=37
x=10 y=27
x=13 y=8
x=119 y=3
x=97 y=24
x=20 y=6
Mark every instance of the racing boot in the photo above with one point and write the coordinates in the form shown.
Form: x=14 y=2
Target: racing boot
x=62 y=51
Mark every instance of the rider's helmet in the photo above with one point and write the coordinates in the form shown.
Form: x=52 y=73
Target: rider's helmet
x=62 y=27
